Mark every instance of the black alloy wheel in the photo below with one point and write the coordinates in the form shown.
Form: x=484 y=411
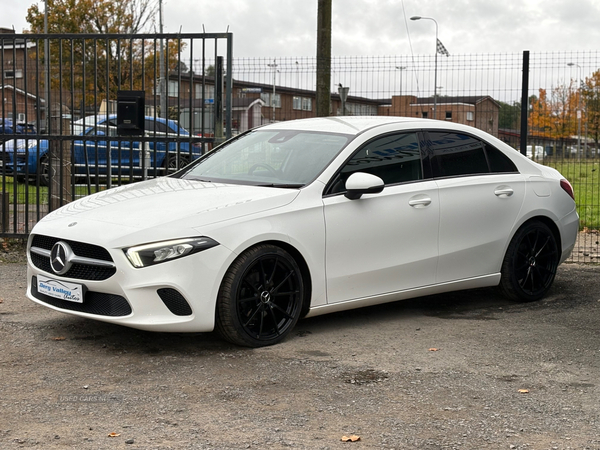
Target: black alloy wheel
x=530 y=263
x=44 y=171
x=176 y=162
x=260 y=299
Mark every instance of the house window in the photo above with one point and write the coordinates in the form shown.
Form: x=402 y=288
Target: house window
x=448 y=115
x=470 y=116
x=13 y=73
x=302 y=103
x=424 y=114
x=266 y=97
x=173 y=88
x=209 y=91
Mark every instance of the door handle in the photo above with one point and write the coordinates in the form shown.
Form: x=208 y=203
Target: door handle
x=419 y=202
x=504 y=191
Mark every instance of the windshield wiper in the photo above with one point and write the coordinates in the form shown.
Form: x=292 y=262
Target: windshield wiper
x=282 y=185
x=199 y=179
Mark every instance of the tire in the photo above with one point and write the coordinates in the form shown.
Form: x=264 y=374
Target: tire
x=260 y=298
x=44 y=171
x=530 y=263
x=175 y=162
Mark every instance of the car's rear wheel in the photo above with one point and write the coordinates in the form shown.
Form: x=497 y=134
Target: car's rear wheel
x=530 y=263
x=260 y=298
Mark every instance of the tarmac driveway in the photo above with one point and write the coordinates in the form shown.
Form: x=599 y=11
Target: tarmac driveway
x=468 y=370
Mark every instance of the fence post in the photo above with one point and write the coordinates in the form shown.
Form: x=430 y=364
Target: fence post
x=4 y=205
x=524 y=102
x=59 y=170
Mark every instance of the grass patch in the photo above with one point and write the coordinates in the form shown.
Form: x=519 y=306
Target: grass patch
x=584 y=176
x=22 y=193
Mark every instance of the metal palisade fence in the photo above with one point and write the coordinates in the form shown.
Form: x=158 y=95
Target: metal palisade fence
x=546 y=105
x=60 y=134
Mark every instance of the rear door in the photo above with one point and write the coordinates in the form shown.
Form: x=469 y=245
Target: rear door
x=481 y=193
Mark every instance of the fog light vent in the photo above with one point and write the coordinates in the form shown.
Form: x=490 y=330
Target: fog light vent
x=176 y=303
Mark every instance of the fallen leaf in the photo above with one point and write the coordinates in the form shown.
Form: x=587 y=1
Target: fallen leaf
x=114 y=434
x=1 y=301
x=352 y=438
x=523 y=391
x=59 y=338
x=433 y=349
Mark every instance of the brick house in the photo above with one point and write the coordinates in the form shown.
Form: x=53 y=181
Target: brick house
x=256 y=104
x=477 y=111
x=18 y=79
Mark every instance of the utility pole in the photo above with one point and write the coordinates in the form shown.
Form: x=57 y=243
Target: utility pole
x=323 y=57
x=162 y=83
x=46 y=71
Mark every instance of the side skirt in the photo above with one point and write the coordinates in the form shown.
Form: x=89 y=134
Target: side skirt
x=471 y=283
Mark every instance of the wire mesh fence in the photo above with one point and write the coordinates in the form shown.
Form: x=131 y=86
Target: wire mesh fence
x=561 y=111
x=481 y=90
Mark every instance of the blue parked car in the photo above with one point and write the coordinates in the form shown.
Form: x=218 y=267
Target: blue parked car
x=8 y=128
x=98 y=138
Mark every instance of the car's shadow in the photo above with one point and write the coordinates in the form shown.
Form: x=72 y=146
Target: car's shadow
x=479 y=304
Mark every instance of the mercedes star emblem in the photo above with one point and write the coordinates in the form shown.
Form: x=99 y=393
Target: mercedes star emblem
x=60 y=257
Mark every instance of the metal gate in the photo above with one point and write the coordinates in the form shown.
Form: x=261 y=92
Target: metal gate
x=59 y=135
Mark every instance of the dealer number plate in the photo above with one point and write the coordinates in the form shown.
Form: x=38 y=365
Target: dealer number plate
x=62 y=290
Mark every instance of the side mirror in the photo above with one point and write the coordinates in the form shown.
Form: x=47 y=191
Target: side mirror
x=360 y=183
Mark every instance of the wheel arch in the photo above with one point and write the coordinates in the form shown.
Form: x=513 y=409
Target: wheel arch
x=546 y=221
x=305 y=271
x=302 y=264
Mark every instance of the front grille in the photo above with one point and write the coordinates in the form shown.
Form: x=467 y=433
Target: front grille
x=77 y=271
x=93 y=303
x=176 y=302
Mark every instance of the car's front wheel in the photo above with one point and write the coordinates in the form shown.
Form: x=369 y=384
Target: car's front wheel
x=174 y=162
x=530 y=263
x=260 y=298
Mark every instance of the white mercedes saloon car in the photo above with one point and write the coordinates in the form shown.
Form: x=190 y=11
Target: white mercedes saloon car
x=303 y=218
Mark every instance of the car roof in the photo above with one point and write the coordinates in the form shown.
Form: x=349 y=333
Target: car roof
x=91 y=120
x=354 y=125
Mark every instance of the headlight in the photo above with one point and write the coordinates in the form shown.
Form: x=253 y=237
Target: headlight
x=158 y=252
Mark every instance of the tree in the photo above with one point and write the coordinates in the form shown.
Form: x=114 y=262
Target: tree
x=554 y=116
x=591 y=99
x=93 y=16
x=509 y=116
x=94 y=69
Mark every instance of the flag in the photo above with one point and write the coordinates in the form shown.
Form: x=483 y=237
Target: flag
x=441 y=49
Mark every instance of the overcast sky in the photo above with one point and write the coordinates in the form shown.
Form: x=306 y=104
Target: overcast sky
x=275 y=28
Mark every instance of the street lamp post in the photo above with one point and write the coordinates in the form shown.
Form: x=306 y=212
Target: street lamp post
x=401 y=68
x=274 y=67
x=579 y=112
x=436 y=59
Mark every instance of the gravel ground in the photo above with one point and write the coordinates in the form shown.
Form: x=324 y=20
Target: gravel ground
x=468 y=370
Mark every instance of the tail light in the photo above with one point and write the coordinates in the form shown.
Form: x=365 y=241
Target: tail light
x=567 y=188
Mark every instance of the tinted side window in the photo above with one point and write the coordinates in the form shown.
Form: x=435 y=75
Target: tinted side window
x=149 y=124
x=455 y=154
x=161 y=127
x=394 y=158
x=499 y=162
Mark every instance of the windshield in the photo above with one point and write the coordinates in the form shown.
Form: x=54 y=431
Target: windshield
x=282 y=158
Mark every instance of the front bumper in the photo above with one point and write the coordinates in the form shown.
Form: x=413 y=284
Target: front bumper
x=149 y=298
